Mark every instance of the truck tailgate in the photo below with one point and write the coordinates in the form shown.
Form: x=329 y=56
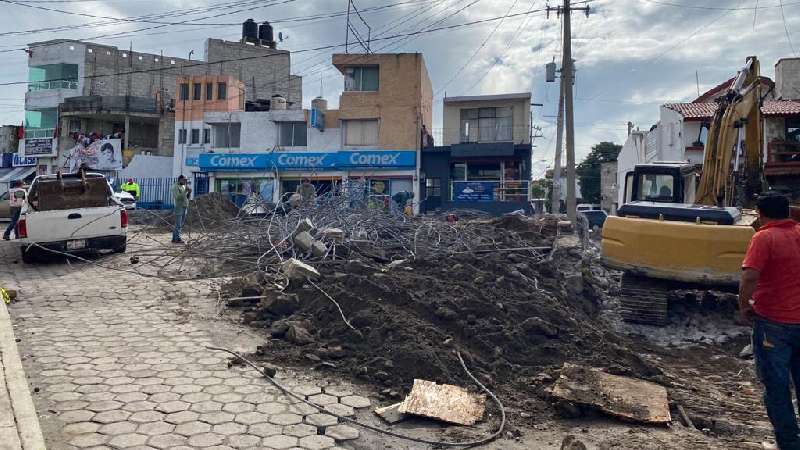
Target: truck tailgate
x=81 y=223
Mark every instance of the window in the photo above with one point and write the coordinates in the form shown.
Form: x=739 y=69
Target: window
x=209 y=91
x=226 y=135
x=433 y=187
x=197 y=89
x=181 y=136
x=184 y=91
x=361 y=132
x=222 y=91
x=486 y=125
x=362 y=78
x=292 y=134
x=206 y=136
x=656 y=188
x=53 y=76
x=195 y=136
x=793 y=130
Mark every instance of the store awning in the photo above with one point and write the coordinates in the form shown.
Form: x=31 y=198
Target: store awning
x=16 y=173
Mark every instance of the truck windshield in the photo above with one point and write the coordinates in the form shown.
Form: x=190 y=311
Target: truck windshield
x=69 y=193
x=656 y=188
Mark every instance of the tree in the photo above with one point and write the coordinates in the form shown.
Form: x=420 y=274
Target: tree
x=588 y=171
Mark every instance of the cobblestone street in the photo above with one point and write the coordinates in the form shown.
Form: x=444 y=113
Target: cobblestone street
x=114 y=363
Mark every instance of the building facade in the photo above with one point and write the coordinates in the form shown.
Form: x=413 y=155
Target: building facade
x=782 y=129
x=78 y=89
x=484 y=161
x=267 y=149
x=608 y=187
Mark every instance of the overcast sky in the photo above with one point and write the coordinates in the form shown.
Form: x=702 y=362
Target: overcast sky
x=631 y=55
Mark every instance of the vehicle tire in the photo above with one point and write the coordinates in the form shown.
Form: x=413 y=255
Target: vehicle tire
x=28 y=255
x=121 y=249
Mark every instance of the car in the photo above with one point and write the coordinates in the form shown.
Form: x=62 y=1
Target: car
x=125 y=198
x=595 y=217
x=586 y=207
x=71 y=214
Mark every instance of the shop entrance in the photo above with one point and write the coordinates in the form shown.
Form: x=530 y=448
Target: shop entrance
x=323 y=186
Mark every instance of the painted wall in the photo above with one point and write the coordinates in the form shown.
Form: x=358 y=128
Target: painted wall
x=59 y=53
x=521 y=113
x=401 y=102
x=608 y=187
x=147 y=166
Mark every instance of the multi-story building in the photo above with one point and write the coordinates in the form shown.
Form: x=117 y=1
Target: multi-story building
x=782 y=129
x=484 y=161
x=78 y=87
x=268 y=148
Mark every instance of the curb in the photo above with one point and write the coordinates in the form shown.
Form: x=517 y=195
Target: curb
x=27 y=421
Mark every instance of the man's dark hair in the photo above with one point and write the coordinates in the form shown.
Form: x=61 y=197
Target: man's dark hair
x=181 y=177
x=18 y=183
x=773 y=205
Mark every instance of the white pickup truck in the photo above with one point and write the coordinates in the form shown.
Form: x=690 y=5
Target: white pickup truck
x=71 y=214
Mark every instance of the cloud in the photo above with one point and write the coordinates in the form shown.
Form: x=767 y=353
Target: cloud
x=631 y=55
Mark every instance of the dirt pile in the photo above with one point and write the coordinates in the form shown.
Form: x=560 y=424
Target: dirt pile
x=515 y=311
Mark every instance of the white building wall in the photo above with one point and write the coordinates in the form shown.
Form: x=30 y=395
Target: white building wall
x=633 y=152
x=670 y=129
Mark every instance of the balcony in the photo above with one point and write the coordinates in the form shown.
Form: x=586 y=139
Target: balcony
x=490 y=191
x=47 y=85
x=783 y=158
x=37 y=133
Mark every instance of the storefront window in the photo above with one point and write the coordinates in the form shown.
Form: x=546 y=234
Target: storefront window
x=483 y=171
x=240 y=190
x=458 y=171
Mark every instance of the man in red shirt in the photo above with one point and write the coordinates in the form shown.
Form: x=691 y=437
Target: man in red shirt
x=769 y=294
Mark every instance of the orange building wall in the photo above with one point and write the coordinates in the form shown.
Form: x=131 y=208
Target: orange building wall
x=193 y=110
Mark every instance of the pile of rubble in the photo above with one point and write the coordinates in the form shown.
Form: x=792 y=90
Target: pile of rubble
x=387 y=298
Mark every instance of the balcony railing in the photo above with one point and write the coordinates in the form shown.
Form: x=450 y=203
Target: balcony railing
x=58 y=84
x=783 y=158
x=490 y=191
x=34 y=133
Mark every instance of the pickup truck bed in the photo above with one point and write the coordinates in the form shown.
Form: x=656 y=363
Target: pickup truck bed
x=72 y=214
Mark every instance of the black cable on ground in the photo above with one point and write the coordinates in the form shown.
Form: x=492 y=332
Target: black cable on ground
x=485 y=440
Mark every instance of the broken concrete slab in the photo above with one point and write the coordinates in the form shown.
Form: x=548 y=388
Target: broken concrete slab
x=331 y=234
x=304 y=241
x=622 y=397
x=305 y=225
x=445 y=402
x=319 y=249
x=391 y=414
x=297 y=270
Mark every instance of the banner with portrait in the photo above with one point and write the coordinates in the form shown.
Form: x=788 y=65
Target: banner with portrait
x=102 y=154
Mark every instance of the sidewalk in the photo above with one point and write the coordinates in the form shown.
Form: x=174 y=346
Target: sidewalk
x=19 y=425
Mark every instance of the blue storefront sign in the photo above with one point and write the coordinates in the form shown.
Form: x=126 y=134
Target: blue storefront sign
x=22 y=161
x=372 y=159
x=473 y=191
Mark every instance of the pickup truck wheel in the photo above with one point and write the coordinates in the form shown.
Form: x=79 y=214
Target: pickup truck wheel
x=28 y=255
x=121 y=249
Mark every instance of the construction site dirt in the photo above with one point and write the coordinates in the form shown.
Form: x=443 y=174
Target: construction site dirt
x=517 y=310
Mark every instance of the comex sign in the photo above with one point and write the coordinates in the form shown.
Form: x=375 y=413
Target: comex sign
x=298 y=161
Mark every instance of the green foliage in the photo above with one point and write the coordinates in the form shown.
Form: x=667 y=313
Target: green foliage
x=588 y=171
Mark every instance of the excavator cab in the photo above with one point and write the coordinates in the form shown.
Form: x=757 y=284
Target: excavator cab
x=662 y=182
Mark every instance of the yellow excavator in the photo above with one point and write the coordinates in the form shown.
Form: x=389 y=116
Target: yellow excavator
x=680 y=227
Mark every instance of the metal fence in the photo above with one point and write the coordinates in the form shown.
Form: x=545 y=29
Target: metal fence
x=154 y=193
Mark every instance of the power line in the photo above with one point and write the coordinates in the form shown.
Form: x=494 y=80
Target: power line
x=719 y=8
x=477 y=50
x=323 y=47
x=786 y=28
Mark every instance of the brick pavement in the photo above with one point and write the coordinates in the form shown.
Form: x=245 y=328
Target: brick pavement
x=116 y=367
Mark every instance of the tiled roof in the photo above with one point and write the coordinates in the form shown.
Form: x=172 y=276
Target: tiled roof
x=724 y=86
x=781 y=108
x=694 y=111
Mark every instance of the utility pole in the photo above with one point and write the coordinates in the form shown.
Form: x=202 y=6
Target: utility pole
x=555 y=206
x=567 y=80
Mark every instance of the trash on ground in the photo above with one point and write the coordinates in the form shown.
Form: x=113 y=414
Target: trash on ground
x=444 y=402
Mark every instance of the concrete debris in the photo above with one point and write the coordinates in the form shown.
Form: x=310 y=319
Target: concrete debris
x=626 y=398
x=318 y=249
x=331 y=234
x=281 y=304
x=298 y=334
x=297 y=270
x=304 y=241
x=444 y=402
x=391 y=414
x=304 y=225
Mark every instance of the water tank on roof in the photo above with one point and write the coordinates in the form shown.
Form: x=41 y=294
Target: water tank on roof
x=277 y=102
x=265 y=33
x=320 y=104
x=249 y=30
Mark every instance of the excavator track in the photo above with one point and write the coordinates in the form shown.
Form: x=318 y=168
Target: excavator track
x=644 y=300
